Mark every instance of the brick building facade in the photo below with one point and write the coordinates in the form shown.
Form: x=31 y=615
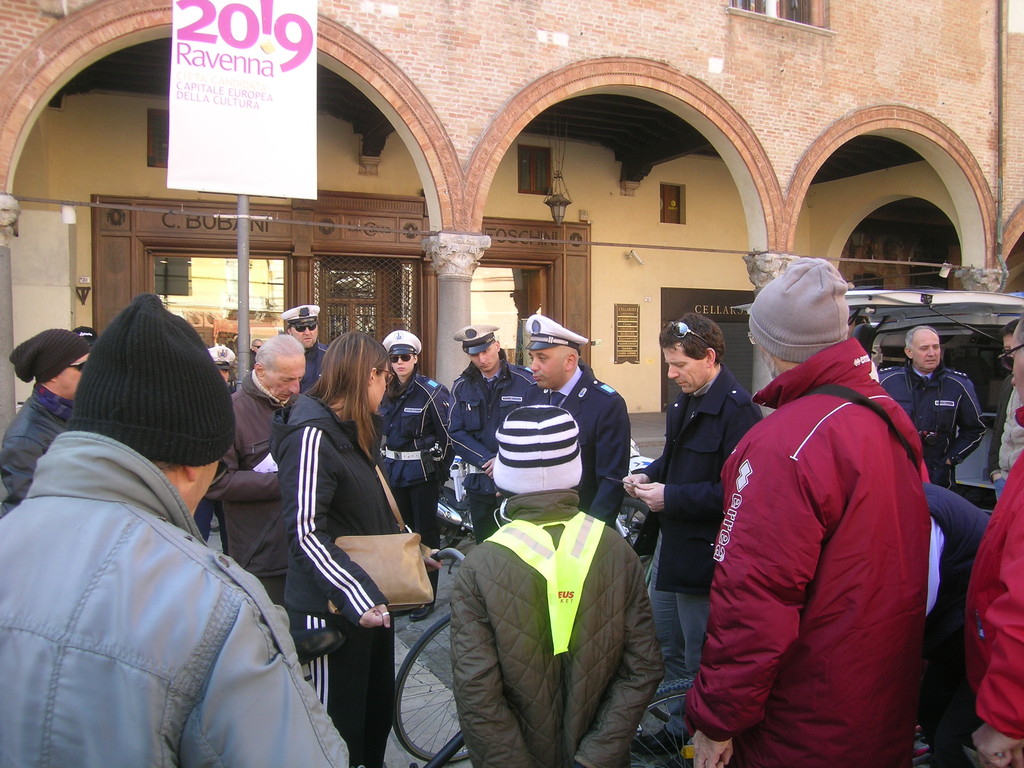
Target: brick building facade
x=776 y=99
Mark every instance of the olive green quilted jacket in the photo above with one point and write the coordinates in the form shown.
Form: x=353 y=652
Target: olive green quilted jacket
x=519 y=705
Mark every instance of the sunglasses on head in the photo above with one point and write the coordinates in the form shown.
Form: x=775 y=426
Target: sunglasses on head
x=681 y=330
x=305 y=327
x=404 y=358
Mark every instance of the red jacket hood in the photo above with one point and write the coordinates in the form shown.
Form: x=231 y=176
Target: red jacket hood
x=845 y=364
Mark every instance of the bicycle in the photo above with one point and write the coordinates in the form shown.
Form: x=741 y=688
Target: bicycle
x=669 y=700
x=425 y=715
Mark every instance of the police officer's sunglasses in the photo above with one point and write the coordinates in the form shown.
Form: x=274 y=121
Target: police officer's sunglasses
x=1007 y=357
x=681 y=330
x=404 y=358
x=305 y=327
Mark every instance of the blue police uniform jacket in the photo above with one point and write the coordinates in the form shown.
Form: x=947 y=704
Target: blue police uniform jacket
x=603 y=420
x=962 y=525
x=478 y=409
x=944 y=409
x=414 y=420
x=314 y=362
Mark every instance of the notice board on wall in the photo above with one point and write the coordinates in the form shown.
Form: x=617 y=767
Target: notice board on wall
x=627 y=333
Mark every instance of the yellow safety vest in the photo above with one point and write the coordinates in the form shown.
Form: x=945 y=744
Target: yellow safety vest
x=565 y=568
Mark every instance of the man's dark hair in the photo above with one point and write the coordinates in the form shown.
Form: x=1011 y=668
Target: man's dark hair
x=691 y=344
x=1010 y=329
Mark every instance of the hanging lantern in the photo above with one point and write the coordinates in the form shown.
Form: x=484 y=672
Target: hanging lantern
x=559 y=198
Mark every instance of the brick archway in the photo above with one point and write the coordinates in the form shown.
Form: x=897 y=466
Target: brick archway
x=1013 y=233
x=937 y=144
x=108 y=25
x=683 y=95
x=1014 y=229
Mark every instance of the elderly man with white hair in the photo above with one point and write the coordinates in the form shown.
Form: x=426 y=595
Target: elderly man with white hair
x=249 y=490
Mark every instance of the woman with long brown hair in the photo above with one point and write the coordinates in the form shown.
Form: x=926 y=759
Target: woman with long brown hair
x=327 y=446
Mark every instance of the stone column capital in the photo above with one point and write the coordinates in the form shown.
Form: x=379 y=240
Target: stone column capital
x=10 y=209
x=765 y=266
x=978 y=279
x=455 y=255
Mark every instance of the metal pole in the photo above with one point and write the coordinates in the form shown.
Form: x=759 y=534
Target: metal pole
x=244 y=363
x=9 y=211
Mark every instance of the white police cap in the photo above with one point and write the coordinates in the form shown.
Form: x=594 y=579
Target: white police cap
x=301 y=314
x=546 y=333
x=221 y=355
x=475 y=338
x=402 y=342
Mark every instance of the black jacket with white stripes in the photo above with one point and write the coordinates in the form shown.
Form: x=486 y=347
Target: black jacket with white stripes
x=329 y=488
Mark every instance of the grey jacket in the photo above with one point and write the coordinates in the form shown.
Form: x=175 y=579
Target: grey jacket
x=125 y=641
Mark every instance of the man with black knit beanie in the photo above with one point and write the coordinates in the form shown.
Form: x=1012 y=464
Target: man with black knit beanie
x=54 y=359
x=552 y=638
x=124 y=640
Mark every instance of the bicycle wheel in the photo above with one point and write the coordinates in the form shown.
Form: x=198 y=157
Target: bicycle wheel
x=652 y=747
x=425 y=715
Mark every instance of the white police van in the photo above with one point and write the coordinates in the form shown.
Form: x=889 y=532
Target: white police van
x=968 y=324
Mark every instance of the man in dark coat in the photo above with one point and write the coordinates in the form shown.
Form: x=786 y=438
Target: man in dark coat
x=684 y=489
x=487 y=391
x=565 y=381
x=303 y=324
x=946 y=709
x=249 y=490
x=941 y=402
x=54 y=358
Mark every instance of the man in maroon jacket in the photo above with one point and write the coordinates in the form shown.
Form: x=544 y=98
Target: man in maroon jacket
x=818 y=599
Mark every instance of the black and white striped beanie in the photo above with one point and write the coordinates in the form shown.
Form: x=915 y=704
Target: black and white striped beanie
x=538 y=450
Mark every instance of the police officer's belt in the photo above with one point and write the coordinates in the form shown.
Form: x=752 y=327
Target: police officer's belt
x=406 y=455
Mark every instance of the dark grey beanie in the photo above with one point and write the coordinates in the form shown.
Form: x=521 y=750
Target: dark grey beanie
x=802 y=311
x=150 y=384
x=47 y=354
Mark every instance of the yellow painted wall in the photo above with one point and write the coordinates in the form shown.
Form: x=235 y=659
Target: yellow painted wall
x=714 y=219
x=833 y=210
x=97 y=145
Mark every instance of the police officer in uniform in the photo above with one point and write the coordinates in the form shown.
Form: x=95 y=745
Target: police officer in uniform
x=599 y=410
x=223 y=357
x=414 y=413
x=940 y=401
x=486 y=392
x=302 y=323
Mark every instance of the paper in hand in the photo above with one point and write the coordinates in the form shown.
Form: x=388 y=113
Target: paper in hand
x=267 y=465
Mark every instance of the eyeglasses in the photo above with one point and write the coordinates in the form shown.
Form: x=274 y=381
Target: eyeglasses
x=218 y=475
x=1007 y=357
x=404 y=358
x=681 y=330
x=305 y=327
x=78 y=366
x=751 y=339
x=389 y=376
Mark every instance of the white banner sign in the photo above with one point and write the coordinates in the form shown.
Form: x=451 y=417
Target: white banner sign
x=243 y=97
